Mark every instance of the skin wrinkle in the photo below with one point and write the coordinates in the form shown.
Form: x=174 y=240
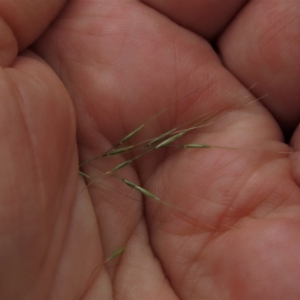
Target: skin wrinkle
x=59 y=255
x=156 y=260
x=268 y=195
x=201 y=250
x=275 y=34
x=161 y=266
x=285 y=199
x=144 y=270
x=208 y=244
x=57 y=227
x=175 y=72
x=92 y=279
x=251 y=208
x=194 y=195
x=86 y=272
x=18 y=96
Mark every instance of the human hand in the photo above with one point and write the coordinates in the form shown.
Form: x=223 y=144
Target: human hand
x=121 y=62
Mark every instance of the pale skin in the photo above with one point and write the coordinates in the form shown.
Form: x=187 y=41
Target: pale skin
x=101 y=69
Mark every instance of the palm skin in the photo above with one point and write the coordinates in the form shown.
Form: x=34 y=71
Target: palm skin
x=121 y=62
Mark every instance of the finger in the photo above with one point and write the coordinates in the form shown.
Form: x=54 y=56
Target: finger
x=37 y=168
x=261 y=47
x=206 y=17
x=21 y=22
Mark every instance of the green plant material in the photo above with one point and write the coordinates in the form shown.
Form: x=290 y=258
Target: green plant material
x=121 y=166
x=162 y=136
x=117 y=151
x=147 y=193
x=130 y=135
x=84 y=175
x=196 y=146
x=171 y=139
x=140 y=189
x=115 y=254
x=176 y=136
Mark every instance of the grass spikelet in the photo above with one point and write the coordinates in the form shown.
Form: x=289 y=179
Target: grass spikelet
x=196 y=146
x=170 y=140
x=115 y=254
x=117 y=151
x=84 y=175
x=140 y=189
x=130 y=135
x=161 y=137
x=121 y=166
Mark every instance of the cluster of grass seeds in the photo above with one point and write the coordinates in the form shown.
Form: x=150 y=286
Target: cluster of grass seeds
x=170 y=138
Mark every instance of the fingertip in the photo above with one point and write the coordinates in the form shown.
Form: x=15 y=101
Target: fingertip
x=262 y=46
x=8 y=44
x=207 y=18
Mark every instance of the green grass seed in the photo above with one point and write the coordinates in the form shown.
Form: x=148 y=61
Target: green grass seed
x=117 y=151
x=84 y=175
x=196 y=146
x=115 y=254
x=170 y=140
x=140 y=189
x=130 y=135
x=161 y=137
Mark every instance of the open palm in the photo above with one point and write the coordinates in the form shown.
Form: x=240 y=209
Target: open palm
x=233 y=229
